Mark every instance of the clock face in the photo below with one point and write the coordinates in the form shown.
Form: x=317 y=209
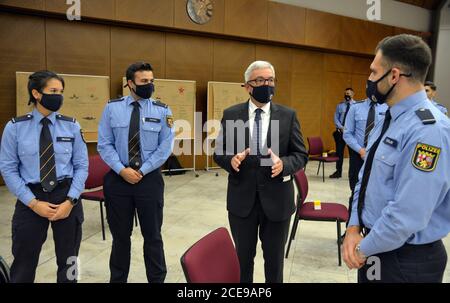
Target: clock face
x=200 y=11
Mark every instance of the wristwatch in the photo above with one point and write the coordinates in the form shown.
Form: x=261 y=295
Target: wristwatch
x=73 y=201
x=359 y=252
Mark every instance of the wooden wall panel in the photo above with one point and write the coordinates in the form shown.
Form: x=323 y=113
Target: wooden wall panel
x=281 y=59
x=31 y=4
x=151 y=12
x=24 y=54
x=103 y=9
x=361 y=65
x=286 y=23
x=231 y=59
x=215 y=25
x=307 y=90
x=246 y=18
x=338 y=63
x=152 y=49
x=353 y=37
x=359 y=86
x=323 y=29
x=191 y=58
x=376 y=33
x=78 y=48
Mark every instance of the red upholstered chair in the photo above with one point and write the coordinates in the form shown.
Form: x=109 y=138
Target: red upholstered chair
x=315 y=154
x=213 y=259
x=305 y=211
x=97 y=170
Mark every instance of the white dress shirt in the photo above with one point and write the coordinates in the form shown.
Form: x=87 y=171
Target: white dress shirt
x=265 y=119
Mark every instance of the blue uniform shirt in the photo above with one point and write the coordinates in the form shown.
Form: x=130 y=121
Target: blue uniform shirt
x=340 y=113
x=19 y=154
x=156 y=135
x=441 y=107
x=355 y=126
x=408 y=194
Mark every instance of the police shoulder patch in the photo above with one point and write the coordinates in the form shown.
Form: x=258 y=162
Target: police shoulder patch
x=22 y=118
x=425 y=157
x=116 y=100
x=169 y=120
x=65 y=118
x=159 y=103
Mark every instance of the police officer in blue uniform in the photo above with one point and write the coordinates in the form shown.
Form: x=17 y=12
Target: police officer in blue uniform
x=44 y=162
x=401 y=208
x=430 y=88
x=361 y=119
x=135 y=138
x=340 y=116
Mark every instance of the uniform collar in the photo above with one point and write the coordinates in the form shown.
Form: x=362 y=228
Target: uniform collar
x=130 y=100
x=252 y=107
x=39 y=116
x=408 y=103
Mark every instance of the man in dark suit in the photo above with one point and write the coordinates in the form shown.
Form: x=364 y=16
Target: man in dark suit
x=260 y=145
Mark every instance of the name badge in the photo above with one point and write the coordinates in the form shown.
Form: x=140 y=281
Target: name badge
x=391 y=142
x=154 y=120
x=287 y=178
x=65 y=139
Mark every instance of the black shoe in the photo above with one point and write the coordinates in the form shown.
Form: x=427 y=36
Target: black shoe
x=336 y=175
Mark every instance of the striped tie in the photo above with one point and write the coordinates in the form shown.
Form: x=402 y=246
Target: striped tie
x=134 y=143
x=47 y=158
x=256 y=135
x=370 y=123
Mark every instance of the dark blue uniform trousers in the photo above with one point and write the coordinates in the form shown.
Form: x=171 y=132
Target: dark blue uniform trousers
x=410 y=264
x=29 y=232
x=122 y=200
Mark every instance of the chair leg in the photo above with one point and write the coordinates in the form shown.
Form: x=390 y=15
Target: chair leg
x=339 y=239
x=323 y=172
x=318 y=168
x=293 y=231
x=135 y=218
x=102 y=219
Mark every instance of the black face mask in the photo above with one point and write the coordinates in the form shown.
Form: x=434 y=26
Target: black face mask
x=52 y=102
x=374 y=94
x=144 y=91
x=347 y=98
x=263 y=94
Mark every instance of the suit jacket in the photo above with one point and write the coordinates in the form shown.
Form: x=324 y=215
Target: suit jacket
x=276 y=196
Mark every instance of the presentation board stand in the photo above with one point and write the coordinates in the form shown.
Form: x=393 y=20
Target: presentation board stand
x=221 y=95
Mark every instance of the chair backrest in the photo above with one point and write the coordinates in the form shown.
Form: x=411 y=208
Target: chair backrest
x=302 y=185
x=212 y=259
x=97 y=170
x=315 y=145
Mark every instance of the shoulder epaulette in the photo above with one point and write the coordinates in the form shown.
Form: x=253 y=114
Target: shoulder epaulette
x=425 y=116
x=159 y=103
x=22 y=118
x=116 y=100
x=65 y=118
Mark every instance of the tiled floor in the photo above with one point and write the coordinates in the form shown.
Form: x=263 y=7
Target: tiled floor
x=194 y=207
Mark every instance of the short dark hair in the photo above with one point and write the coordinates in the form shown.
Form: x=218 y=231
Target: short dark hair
x=431 y=85
x=349 y=88
x=39 y=80
x=137 y=67
x=408 y=52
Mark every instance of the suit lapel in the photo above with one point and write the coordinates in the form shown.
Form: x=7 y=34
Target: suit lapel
x=243 y=115
x=274 y=116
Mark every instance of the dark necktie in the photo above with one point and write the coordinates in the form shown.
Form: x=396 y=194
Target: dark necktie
x=134 y=143
x=256 y=138
x=346 y=113
x=368 y=167
x=370 y=123
x=47 y=158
